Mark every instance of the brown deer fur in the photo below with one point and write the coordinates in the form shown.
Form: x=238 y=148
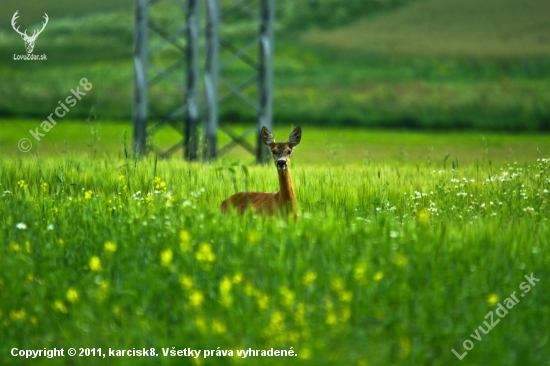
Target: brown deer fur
x=284 y=199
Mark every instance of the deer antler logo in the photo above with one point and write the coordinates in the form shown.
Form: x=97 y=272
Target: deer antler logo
x=29 y=40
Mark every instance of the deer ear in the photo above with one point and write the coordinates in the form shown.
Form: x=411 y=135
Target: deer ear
x=295 y=137
x=267 y=137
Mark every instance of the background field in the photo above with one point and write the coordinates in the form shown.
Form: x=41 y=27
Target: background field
x=452 y=28
x=400 y=64
x=331 y=145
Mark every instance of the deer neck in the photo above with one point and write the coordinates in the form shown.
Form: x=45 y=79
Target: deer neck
x=286 y=190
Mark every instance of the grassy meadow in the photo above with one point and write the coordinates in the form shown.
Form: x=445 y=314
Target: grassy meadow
x=393 y=260
x=332 y=145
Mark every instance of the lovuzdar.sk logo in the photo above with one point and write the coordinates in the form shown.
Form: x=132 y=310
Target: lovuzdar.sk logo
x=29 y=40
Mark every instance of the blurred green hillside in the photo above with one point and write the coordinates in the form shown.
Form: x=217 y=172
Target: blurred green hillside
x=451 y=28
x=455 y=64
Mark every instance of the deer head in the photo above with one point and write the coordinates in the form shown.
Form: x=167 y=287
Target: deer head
x=29 y=40
x=281 y=150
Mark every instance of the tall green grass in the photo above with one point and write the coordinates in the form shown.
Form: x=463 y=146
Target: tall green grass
x=387 y=263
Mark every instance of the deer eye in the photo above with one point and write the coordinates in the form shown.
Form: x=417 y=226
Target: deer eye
x=274 y=152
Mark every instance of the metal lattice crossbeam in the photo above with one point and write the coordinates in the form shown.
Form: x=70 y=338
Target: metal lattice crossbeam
x=168 y=38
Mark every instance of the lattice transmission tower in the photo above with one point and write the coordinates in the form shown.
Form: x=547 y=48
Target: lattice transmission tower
x=171 y=88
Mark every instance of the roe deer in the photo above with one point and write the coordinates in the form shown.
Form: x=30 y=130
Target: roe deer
x=282 y=200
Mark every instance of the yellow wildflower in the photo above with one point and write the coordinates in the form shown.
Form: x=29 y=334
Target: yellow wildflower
x=405 y=345
x=44 y=187
x=226 y=300
x=237 y=278
x=60 y=307
x=200 y=323
x=492 y=300
x=170 y=201
x=225 y=285
x=109 y=247
x=186 y=282
x=88 y=195
x=300 y=314
x=160 y=185
x=331 y=319
x=359 y=272
x=225 y=289
x=205 y=254
x=345 y=296
x=337 y=284
x=95 y=264
x=345 y=315
x=423 y=217
x=166 y=257
x=253 y=237
x=378 y=276
x=248 y=289
x=263 y=302
x=104 y=285
x=22 y=184
x=185 y=240
x=120 y=176
x=309 y=278
x=102 y=292
x=72 y=295
x=293 y=337
x=14 y=247
x=18 y=314
x=400 y=260
x=288 y=296
x=305 y=353
x=218 y=327
x=276 y=324
x=196 y=298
